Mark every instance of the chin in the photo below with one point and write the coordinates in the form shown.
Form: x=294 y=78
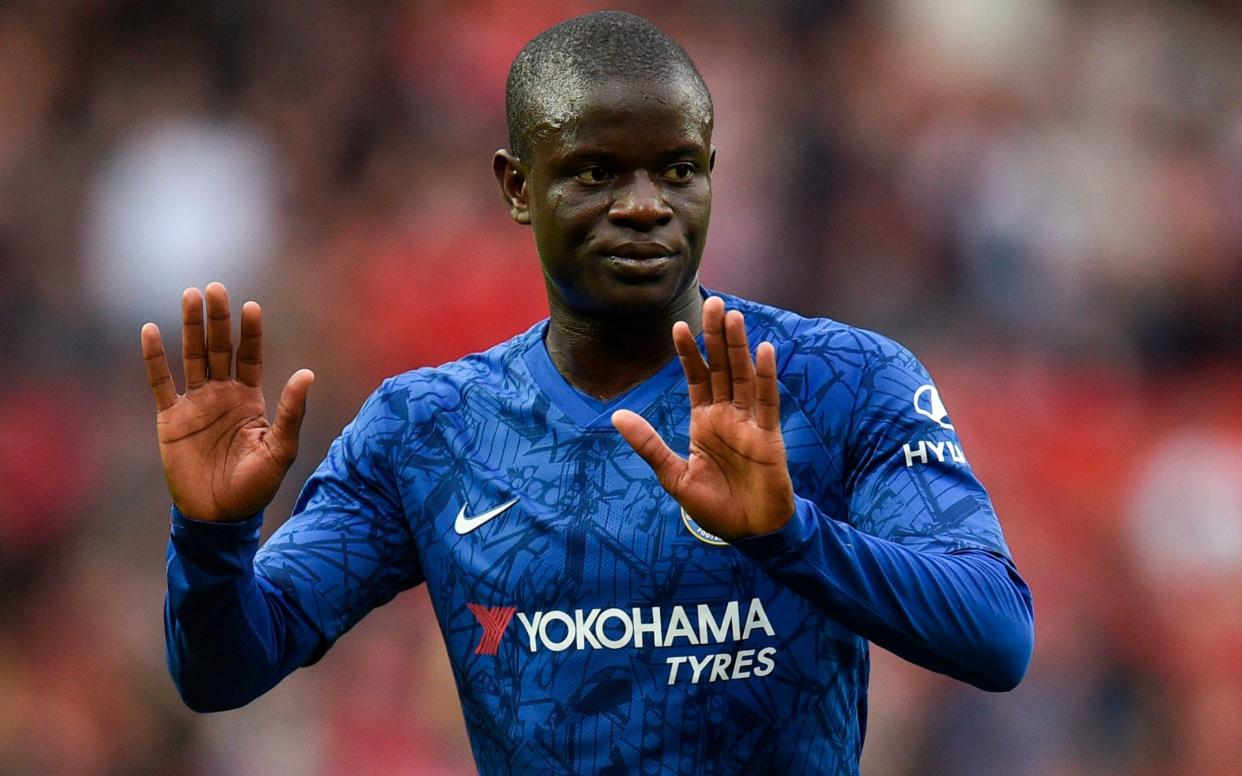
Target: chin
x=641 y=298
x=619 y=294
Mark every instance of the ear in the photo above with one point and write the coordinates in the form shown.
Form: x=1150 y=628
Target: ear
x=511 y=176
x=711 y=160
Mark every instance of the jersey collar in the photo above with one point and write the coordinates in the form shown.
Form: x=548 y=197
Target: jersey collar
x=587 y=411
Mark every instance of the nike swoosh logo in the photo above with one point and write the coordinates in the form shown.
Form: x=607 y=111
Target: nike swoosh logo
x=464 y=525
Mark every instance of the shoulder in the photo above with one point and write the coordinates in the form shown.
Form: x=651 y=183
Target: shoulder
x=853 y=384
x=819 y=349
x=420 y=394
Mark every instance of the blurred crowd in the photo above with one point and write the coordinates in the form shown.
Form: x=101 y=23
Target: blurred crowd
x=1042 y=198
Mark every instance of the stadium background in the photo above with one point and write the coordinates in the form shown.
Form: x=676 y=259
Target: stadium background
x=1043 y=199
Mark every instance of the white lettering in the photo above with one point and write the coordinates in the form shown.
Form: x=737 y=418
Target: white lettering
x=720 y=632
x=563 y=644
x=697 y=666
x=674 y=663
x=615 y=628
x=652 y=627
x=583 y=626
x=723 y=666
x=531 y=628
x=911 y=454
x=614 y=614
x=679 y=625
x=741 y=664
x=757 y=618
x=765 y=660
x=925 y=450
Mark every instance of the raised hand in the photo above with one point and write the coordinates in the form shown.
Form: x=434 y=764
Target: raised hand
x=223 y=460
x=736 y=481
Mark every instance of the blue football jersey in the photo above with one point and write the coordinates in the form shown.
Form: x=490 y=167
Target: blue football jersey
x=592 y=626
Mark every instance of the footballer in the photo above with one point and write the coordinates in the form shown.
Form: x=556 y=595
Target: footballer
x=659 y=528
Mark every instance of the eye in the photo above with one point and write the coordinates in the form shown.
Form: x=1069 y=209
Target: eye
x=592 y=175
x=681 y=172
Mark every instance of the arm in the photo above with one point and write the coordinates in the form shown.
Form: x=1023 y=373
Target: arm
x=936 y=598
x=229 y=634
x=966 y=614
x=235 y=624
x=237 y=621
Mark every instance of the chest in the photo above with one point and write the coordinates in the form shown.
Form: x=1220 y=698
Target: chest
x=573 y=519
x=551 y=553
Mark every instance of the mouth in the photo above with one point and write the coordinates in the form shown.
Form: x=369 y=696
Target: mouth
x=639 y=260
x=639 y=267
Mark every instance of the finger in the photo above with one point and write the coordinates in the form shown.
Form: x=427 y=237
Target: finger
x=158 y=376
x=767 y=390
x=219 y=332
x=667 y=465
x=741 y=367
x=717 y=358
x=692 y=364
x=250 y=346
x=193 y=346
x=283 y=441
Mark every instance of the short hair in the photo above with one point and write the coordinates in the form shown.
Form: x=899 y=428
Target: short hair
x=553 y=68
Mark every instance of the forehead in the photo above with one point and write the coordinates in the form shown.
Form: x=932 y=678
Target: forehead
x=624 y=114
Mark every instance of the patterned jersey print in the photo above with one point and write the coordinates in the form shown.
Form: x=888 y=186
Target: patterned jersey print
x=591 y=625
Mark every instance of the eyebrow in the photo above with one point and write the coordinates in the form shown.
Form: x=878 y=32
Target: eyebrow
x=595 y=153
x=588 y=153
x=688 y=150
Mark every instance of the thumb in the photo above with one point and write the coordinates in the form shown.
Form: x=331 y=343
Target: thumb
x=669 y=467
x=289 y=413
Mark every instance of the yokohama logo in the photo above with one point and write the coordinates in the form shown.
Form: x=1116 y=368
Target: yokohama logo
x=614 y=628
x=494 y=620
x=639 y=627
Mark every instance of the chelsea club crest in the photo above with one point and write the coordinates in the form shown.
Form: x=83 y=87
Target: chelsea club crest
x=699 y=533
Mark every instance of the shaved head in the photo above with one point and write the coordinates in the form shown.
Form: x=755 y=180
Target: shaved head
x=552 y=72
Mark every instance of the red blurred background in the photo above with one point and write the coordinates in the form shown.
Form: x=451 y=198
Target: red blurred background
x=1044 y=200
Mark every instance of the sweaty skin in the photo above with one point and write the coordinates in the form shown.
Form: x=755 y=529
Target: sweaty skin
x=223 y=460
x=553 y=513
x=619 y=200
x=735 y=482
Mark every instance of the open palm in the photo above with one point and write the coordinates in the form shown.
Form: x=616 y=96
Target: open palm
x=735 y=481
x=223 y=460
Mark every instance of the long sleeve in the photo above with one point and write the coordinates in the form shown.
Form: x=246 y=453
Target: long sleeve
x=238 y=618
x=966 y=614
x=894 y=537
x=230 y=634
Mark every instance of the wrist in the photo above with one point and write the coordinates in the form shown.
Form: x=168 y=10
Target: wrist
x=777 y=513
x=225 y=530
x=215 y=551
x=208 y=512
x=786 y=538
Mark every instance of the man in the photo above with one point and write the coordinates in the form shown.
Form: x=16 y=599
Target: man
x=626 y=580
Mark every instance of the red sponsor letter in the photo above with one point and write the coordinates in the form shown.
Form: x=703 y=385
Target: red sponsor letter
x=494 y=619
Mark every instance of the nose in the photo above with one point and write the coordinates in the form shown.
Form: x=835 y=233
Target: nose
x=640 y=204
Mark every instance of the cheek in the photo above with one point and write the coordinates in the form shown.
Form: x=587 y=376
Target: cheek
x=696 y=209
x=575 y=216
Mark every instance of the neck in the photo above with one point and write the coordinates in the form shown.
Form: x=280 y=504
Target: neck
x=606 y=356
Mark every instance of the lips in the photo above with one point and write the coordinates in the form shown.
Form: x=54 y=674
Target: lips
x=639 y=261
x=640 y=268
x=638 y=251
